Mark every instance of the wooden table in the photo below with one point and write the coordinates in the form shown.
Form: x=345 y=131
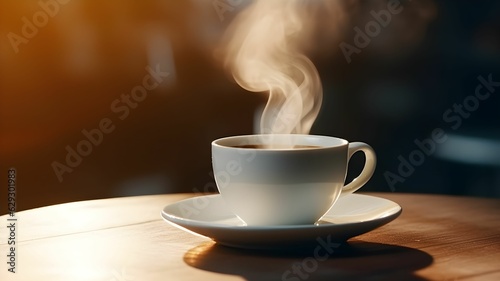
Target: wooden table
x=124 y=239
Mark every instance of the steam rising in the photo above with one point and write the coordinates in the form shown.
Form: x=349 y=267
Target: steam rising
x=263 y=54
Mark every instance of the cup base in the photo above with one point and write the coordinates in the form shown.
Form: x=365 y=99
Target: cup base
x=265 y=205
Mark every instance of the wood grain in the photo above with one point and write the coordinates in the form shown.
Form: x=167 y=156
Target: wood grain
x=124 y=239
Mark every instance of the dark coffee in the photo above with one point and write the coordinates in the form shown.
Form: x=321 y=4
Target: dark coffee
x=276 y=146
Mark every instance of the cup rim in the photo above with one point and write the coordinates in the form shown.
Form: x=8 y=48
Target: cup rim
x=322 y=141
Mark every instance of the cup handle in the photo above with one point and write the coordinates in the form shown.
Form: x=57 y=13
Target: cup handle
x=368 y=169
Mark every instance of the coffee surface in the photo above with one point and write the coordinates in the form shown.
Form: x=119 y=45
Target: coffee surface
x=275 y=146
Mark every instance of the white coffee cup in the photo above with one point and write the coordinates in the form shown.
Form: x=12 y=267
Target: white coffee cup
x=279 y=184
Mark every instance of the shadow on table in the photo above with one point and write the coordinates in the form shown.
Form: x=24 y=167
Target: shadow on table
x=356 y=260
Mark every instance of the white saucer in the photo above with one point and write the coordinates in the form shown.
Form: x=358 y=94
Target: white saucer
x=209 y=216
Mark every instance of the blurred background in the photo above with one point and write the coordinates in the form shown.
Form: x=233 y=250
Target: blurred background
x=70 y=69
